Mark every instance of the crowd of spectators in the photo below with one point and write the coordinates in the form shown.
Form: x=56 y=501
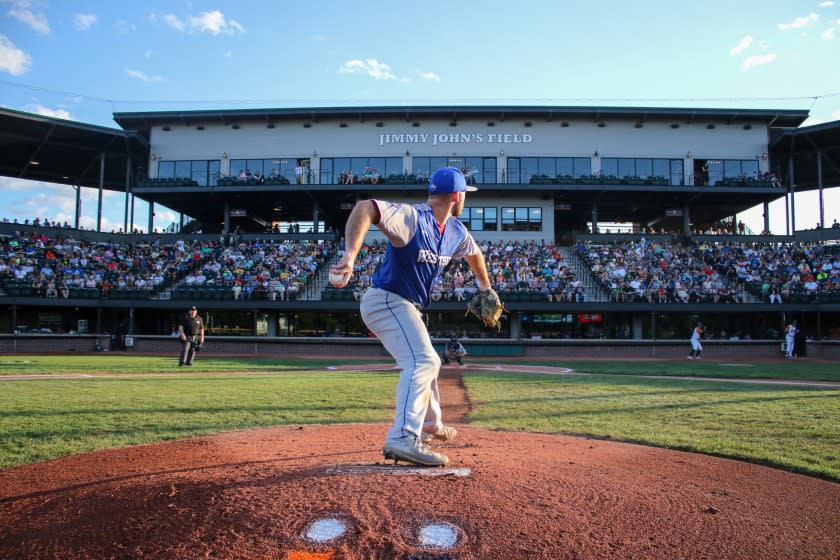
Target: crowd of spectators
x=713 y=272
x=272 y=270
x=649 y=271
x=778 y=273
x=53 y=267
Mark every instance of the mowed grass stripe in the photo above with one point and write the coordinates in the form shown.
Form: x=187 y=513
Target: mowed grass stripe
x=122 y=364
x=52 y=418
x=708 y=367
x=794 y=428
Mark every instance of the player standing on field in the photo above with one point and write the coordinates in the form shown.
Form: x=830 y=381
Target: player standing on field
x=422 y=239
x=790 y=338
x=696 y=347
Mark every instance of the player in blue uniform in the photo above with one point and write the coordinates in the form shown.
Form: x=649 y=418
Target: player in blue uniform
x=422 y=239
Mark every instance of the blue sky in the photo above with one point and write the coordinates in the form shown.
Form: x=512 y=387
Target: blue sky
x=84 y=60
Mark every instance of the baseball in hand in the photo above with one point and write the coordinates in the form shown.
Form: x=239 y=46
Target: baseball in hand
x=336 y=279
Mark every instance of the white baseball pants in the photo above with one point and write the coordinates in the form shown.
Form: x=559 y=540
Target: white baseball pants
x=398 y=324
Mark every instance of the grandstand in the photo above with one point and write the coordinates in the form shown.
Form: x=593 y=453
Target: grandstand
x=263 y=194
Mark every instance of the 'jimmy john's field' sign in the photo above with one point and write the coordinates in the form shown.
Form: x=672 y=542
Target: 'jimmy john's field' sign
x=452 y=138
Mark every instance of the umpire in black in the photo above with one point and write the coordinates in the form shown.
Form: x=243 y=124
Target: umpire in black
x=191 y=334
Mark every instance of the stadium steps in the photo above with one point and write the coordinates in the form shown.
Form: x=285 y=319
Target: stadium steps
x=594 y=292
x=315 y=293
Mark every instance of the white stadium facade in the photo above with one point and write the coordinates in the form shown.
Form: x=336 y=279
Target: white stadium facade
x=564 y=176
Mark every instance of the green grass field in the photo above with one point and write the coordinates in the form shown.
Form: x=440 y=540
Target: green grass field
x=149 y=399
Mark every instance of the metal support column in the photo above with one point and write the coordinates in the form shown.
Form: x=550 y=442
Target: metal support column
x=686 y=221
x=101 y=186
x=151 y=216
x=131 y=223
x=792 y=197
x=766 y=217
x=594 y=218
x=820 y=185
x=127 y=191
x=226 y=220
x=315 y=217
x=78 y=205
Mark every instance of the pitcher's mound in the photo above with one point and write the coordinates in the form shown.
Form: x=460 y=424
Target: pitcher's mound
x=325 y=492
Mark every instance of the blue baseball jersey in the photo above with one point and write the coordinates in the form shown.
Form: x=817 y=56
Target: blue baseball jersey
x=417 y=251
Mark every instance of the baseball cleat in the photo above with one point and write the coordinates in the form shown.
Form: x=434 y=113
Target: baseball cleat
x=446 y=433
x=411 y=450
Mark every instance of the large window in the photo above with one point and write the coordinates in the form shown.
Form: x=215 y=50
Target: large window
x=270 y=168
x=738 y=169
x=478 y=170
x=526 y=169
x=521 y=219
x=479 y=219
x=643 y=168
x=364 y=169
x=202 y=171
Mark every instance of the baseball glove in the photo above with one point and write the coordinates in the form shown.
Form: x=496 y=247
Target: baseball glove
x=487 y=306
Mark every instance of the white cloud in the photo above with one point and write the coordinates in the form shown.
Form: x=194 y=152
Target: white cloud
x=827 y=4
x=213 y=22
x=137 y=74
x=21 y=10
x=828 y=34
x=228 y=55
x=149 y=53
x=369 y=66
x=430 y=76
x=83 y=22
x=47 y=112
x=800 y=22
x=835 y=115
x=172 y=21
x=12 y=59
x=742 y=45
x=758 y=60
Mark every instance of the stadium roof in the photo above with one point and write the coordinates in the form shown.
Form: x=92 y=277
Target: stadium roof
x=143 y=121
x=56 y=150
x=803 y=144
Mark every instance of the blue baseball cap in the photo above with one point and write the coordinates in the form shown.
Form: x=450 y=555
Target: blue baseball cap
x=448 y=180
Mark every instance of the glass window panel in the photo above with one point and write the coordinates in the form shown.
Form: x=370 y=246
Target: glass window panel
x=609 y=167
x=731 y=168
x=237 y=166
x=547 y=166
x=476 y=225
x=715 y=171
x=183 y=169
x=644 y=168
x=521 y=214
x=199 y=172
x=393 y=166
x=254 y=165
x=677 y=174
x=535 y=214
x=514 y=174
x=357 y=165
x=490 y=214
x=166 y=170
x=583 y=166
x=626 y=167
x=565 y=166
x=529 y=167
x=750 y=168
x=662 y=168
x=507 y=215
x=214 y=168
x=490 y=172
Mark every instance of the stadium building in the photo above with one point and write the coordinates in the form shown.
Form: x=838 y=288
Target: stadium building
x=584 y=179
